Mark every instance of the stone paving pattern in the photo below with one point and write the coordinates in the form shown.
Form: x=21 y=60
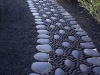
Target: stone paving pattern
x=71 y=51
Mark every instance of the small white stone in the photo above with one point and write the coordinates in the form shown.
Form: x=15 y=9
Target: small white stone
x=91 y=52
x=34 y=74
x=61 y=31
x=56 y=36
x=83 y=68
x=76 y=26
x=47 y=3
x=94 y=61
x=29 y=1
x=73 y=22
x=41 y=1
x=45 y=15
x=62 y=20
x=35 y=0
x=46 y=8
x=59 y=52
x=81 y=33
x=68 y=17
x=67 y=28
x=66 y=44
x=31 y=6
x=37 y=4
x=65 y=13
x=48 y=13
x=87 y=45
x=48 y=20
x=58 y=24
x=44 y=48
x=86 y=38
x=41 y=27
x=39 y=22
x=62 y=10
x=55 y=14
x=42 y=31
x=53 y=10
x=43 y=4
x=75 y=54
x=68 y=63
x=79 y=30
x=41 y=67
x=38 y=17
x=72 y=38
x=52 y=26
x=43 y=36
x=96 y=70
x=41 y=56
x=35 y=14
x=54 y=18
x=43 y=41
x=59 y=71
x=34 y=11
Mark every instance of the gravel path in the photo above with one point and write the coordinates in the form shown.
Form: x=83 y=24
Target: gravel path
x=64 y=47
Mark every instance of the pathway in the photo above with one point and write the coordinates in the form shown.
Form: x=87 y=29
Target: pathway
x=62 y=42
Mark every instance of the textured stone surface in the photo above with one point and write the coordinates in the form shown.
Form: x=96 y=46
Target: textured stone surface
x=83 y=68
x=67 y=28
x=96 y=70
x=42 y=31
x=59 y=71
x=81 y=33
x=73 y=22
x=52 y=26
x=39 y=22
x=91 y=52
x=62 y=20
x=58 y=24
x=43 y=41
x=41 y=56
x=48 y=20
x=86 y=38
x=41 y=67
x=35 y=14
x=59 y=52
x=44 y=48
x=79 y=30
x=94 y=61
x=75 y=54
x=61 y=31
x=56 y=36
x=72 y=38
x=68 y=63
x=41 y=27
x=87 y=45
x=43 y=36
x=54 y=18
x=66 y=44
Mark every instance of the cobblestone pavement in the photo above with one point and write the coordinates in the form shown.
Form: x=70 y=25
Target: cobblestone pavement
x=41 y=38
x=64 y=47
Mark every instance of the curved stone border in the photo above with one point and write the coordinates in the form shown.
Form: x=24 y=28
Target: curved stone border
x=65 y=48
